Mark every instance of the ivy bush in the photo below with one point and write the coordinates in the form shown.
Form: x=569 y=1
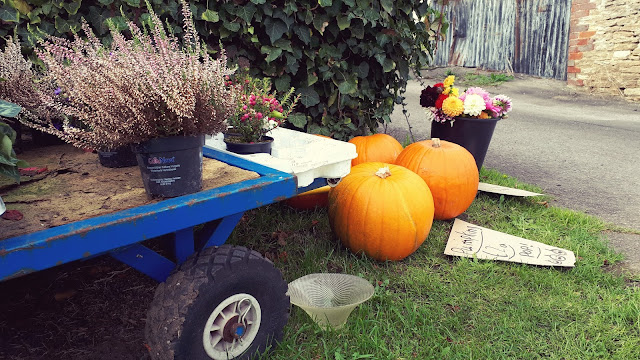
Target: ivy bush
x=348 y=59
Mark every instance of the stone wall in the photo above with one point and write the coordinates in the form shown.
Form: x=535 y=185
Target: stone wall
x=604 y=46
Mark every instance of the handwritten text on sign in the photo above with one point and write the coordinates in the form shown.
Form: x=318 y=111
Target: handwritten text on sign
x=468 y=240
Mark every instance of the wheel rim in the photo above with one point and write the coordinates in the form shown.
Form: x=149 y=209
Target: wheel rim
x=232 y=326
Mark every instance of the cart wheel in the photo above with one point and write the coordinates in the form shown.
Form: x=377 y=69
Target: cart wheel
x=223 y=303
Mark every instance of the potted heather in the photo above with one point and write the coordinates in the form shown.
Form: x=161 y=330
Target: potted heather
x=150 y=91
x=258 y=111
x=467 y=119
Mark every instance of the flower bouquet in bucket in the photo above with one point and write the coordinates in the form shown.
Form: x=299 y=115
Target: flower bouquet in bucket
x=150 y=91
x=466 y=118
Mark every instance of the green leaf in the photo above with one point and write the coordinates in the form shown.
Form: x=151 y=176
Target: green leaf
x=72 y=7
x=387 y=5
x=9 y=110
x=21 y=6
x=9 y=14
x=311 y=79
x=105 y=2
x=97 y=18
x=309 y=97
x=325 y=3
x=348 y=87
x=357 y=30
x=284 y=44
x=246 y=12
x=259 y=2
x=283 y=83
x=231 y=26
x=6 y=148
x=134 y=3
x=343 y=22
x=332 y=98
x=10 y=172
x=273 y=54
x=320 y=22
x=298 y=120
x=387 y=64
x=304 y=34
x=275 y=29
x=363 y=70
x=210 y=16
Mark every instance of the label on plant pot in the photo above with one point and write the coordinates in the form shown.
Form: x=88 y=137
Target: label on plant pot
x=497 y=189
x=469 y=240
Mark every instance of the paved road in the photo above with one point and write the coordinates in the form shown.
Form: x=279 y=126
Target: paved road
x=582 y=149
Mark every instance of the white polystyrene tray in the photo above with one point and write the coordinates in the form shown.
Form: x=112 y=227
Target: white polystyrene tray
x=304 y=155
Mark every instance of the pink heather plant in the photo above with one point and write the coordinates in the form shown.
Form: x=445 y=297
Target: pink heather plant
x=258 y=110
x=136 y=89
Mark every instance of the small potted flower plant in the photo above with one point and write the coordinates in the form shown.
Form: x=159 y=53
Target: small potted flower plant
x=148 y=90
x=258 y=111
x=467 y=119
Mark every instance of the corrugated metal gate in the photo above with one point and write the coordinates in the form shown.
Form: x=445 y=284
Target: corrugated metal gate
x=525 y=36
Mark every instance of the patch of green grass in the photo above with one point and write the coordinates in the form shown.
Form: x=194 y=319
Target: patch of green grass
x=482 y=80
x=434 y=306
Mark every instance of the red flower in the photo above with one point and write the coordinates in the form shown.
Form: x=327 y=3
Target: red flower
x=441 y=98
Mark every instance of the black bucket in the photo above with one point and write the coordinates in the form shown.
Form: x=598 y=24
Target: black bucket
x=472 y=134
x=171 y=166
x=262 y=146
x=120 y=157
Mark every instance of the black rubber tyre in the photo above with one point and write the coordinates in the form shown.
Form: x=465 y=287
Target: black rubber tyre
x=183 y=304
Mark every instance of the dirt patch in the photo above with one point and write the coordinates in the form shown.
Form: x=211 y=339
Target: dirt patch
x=76 y=187
x=91 y=310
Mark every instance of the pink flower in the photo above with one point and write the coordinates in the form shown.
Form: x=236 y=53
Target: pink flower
x=259 y=115
x=478 y=91
x=244 y=107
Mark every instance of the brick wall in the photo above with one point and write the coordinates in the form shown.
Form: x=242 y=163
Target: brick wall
x=604 y=46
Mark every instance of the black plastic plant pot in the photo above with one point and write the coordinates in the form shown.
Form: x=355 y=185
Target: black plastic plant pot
x=472 y=134
x=263 y=146
x=120 y=157
x=170 y=166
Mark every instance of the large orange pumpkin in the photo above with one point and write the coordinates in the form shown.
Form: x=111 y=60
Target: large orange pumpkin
x=449 y=170
x=383 y=210
x=376 y=147
x=310 y=199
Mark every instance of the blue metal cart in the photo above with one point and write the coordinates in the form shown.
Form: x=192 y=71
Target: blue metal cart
x=214 y=301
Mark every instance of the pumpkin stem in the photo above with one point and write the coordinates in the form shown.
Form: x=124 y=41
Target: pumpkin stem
x=383 y=173
x=435 y=142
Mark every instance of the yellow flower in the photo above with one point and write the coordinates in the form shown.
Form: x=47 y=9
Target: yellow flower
x=448 y=82
x=454 y=92
x=446 y=90
x=452 y=106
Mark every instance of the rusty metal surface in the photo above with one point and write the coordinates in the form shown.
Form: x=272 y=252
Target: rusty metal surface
x=523 y=36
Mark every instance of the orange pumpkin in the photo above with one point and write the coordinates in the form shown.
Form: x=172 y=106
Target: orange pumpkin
x=449 y=170
x=383 y=210
x=311 y=199
x=376 y=147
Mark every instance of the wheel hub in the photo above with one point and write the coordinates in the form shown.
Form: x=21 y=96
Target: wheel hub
x=232 y=327
x=233 y=330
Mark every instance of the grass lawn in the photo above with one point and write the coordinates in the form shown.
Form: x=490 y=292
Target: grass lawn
x=432 y=306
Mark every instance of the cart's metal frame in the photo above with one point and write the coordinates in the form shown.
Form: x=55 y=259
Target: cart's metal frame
x=120 y=233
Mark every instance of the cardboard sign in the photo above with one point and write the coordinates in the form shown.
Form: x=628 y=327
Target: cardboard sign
x=469 y=240
x=497 y=189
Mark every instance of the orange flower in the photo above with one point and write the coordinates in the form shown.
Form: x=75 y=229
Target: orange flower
x=483 y=115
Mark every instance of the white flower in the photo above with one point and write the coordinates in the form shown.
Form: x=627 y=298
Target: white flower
x=271 y=124
x=474 y=104
x=429 y=112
